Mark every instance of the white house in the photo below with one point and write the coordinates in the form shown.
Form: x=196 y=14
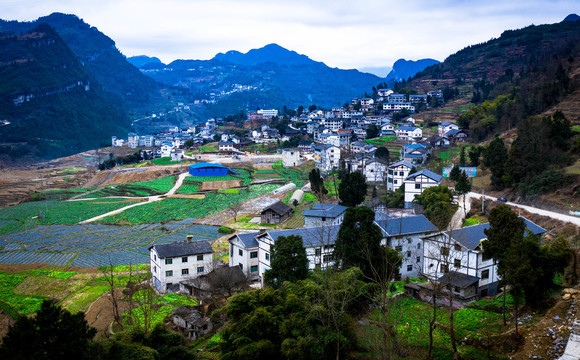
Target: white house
x=291 y=158
x=244 y=253
x=417 y=99
x=333 y=123
x=133 y=140
x=408 y=132
x=397 y=173
x=472 y=274
x=397 y=98
x=405 y=234
x=417 y=182
x=324 y=215
x=327 y=157
x=398 y=106
x=178 y=261
x=268 y=113
x=226 y=146
x=375 y=171
x=444 y=127
x=166 y=149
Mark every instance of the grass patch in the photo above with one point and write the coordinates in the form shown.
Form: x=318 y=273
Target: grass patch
x=21 y=304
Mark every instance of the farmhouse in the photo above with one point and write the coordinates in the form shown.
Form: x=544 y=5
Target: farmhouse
x=178 y=261
x=208 y=169
x=397 y=173
x=417 y=182
x=324 y=215
x=276 y=213
x=244 y=253
x=191 y=322
x=291 y=158
x=457 y=257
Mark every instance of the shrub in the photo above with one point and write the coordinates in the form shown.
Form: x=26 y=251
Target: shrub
x=225 y=230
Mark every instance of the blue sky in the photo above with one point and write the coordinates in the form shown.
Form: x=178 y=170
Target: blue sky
x=345 y=34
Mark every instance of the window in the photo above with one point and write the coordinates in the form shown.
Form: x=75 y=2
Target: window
x=241 y=252
x=408 y=254
x=199 y=269
x=418 y=245
x=444 y=268
x=390 y=172
x=401 y=173
x=431 y=265
x=155 y=269
x=457 y=263
x=267 y=256
x=184 y=259
x=254 y=268
x=418 y=259
x=395 y=181
x=199 y=257
x=485 y=274
x=418 y=186
x=168 y=261
x=456 y=289
x=184 y=271
x=328 y=258
x=241 y=266
x=409 y=267
x=254 y=255
x=154 y=257
x=169 y=273
x=399 y=248
x=317 y=252
x=444 y=251
x=323 y=218
x=409 y=240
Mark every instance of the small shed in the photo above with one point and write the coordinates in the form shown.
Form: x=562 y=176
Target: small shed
x=191 y=322
x=208 y=169
x=276 y=213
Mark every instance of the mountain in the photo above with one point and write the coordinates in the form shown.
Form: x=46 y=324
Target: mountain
x=572 y=17
x=50 y=104
x=143 y=61
x=403 y=69
x=98 y=54
x=267 y=77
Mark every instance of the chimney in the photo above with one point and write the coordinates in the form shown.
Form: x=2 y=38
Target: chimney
x=189 y=238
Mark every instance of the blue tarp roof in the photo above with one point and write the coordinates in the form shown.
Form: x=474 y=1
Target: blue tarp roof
x=206 y=165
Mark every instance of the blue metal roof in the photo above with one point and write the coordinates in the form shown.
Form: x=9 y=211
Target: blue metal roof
x=405 y=225
x=316 y=236
x=407 y=128
x=430 y=174
x=402 y=162
x=325 y=210
x=206 y=165
x=471 y=236
x=446 y=123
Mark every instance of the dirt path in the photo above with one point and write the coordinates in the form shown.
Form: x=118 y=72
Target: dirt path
x=100 y=313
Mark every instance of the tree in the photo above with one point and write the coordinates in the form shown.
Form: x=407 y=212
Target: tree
x=495 y=157
x=462 y=187
x=289 y=261
x=53 y=333
x=358 y=243
x=455 y=173
x=395 y=199
x=317 y=184
x=352 y=189
x=372 y=131
x=474 y=155
x=437 y=202
x=382 y=153
x=311 y=108
x=462 y=161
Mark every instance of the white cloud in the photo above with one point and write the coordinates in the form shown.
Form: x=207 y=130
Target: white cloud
x=345 y=34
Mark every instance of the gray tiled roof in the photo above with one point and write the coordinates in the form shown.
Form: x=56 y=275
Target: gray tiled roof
x=325 y=210
x=248 y=239
x=458 y=279
x=405 y=225
x=471 y=236
x=428 y=173
x=183 y=248
x=407 y=164
x=315 y=236
x=279 y=208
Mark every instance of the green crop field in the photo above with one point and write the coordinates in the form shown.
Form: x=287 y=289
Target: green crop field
x=138 y=189
x=27 y=215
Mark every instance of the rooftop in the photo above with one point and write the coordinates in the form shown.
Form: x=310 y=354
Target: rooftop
x=405 y=225
x=325 y=210
x=184 y=248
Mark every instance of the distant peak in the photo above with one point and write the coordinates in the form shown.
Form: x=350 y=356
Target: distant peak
x=571 y=17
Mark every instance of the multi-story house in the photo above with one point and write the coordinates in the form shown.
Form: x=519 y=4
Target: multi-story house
x=174 y=262
x=405 y=234
x=291 y=158
x=333 y=124
x=327 y=157
x=396 y=98
x=457 y=258
x=324 y=215
x=397 y=173
x=417 y=182
x=398 y=106
x=244 y=253
x=417 y=99
x=375 y=171
x=133 y=140
x=444 y=127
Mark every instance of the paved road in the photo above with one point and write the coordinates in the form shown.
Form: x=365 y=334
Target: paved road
x=554 y=215
x=150 y=199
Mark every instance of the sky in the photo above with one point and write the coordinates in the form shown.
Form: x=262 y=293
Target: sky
x=369 y=35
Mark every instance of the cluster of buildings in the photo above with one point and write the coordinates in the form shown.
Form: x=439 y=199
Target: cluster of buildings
x=454 y=258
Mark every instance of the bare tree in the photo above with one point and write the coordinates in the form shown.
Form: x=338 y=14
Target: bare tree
x=233 y=209
x=111 y=279
x=143 y=302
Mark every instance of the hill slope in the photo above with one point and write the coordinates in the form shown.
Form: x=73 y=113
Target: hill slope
x=403 y=69
x=49 y=103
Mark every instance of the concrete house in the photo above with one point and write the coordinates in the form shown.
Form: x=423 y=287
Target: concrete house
x=405 y=234
x=291 y=158
x=446 y=126
x=417 y=182
x=375 y=171
x=276 y=213
x=324 y=215
x=174 y=262
x=397 y=173
x=408 y=132
x=191 y=322
x=457 y=257
x=327 y=157
x=244 y=253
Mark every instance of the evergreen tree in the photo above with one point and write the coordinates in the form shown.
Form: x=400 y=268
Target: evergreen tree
x=382 y=153
x=317 y=184
x=462 y=187
x=495 y=157
x=352 y=189
x=372 y=131
x=438 y=207
x=455 y=173
x=462 y=162
x=289 y=261
x=474 y=154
